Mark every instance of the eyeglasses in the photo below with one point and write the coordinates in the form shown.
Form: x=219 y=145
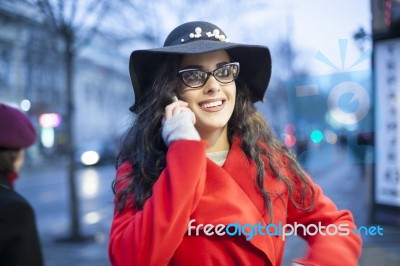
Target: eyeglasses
x=196 y=78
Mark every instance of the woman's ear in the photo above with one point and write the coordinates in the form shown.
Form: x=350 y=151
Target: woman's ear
x=19 y=161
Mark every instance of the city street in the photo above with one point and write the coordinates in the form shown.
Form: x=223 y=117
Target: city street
x=88 y=74
x=46 y=188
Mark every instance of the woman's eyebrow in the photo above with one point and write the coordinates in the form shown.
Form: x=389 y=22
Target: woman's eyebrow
x=193 y=67
x=221 y=64
x=202 y=67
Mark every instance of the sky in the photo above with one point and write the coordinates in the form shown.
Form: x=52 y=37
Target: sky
x=314 y=26
x=318 y=25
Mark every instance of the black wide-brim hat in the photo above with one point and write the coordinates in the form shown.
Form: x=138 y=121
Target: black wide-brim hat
x=201 y=37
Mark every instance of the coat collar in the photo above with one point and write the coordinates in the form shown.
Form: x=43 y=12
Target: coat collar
x=5 y=182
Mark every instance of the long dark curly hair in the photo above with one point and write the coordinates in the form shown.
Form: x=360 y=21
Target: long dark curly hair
x=144 y=148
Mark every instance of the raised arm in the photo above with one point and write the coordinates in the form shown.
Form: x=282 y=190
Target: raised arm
x=150 y=236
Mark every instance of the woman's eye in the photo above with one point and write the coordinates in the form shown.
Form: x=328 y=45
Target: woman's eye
x=196 y=75
x=224 y=72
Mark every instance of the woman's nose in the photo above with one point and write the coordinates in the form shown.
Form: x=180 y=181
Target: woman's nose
x=212 y=86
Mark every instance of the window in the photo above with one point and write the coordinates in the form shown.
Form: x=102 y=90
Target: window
x=5 y=63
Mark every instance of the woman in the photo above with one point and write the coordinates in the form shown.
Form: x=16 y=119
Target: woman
x=201 y=179
x=19 y=240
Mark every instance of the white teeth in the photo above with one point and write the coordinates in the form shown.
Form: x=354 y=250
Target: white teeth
x=212 y=104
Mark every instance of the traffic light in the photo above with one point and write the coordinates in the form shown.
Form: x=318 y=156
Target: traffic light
x=290 y=139
x=49 y=120
x=316 y=136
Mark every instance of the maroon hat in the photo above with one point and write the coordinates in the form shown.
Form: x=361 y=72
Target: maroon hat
x=16 y=130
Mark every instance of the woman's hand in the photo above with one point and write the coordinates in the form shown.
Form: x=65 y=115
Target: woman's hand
x=176 y=108
x=178 y=123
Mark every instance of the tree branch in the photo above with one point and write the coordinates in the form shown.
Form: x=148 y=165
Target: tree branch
x=94 y=29
x=61 y=14
x=48 y=10
x=90 y=10
x=73 y=12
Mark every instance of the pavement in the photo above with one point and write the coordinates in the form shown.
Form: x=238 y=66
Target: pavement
x=349 y=186
x=346 y=183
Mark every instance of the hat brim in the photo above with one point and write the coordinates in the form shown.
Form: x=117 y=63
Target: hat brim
x=255 y=64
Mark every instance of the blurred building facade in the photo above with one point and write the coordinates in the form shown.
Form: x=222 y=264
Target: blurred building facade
x=32 y=77
x=386 y=40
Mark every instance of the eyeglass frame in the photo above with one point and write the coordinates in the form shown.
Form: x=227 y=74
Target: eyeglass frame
x=209 y=74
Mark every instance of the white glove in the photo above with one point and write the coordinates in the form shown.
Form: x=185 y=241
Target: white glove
x=179 y=127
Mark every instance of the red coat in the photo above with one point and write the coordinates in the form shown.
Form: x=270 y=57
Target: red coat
x=193 y=187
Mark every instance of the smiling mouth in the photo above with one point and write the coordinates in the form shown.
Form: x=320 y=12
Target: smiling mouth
x=211 y=105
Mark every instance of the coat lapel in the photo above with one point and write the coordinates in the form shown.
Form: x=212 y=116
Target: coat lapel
x=231 y=196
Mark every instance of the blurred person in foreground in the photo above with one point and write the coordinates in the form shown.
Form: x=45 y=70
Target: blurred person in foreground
x=201 y=178
x=19 y=241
